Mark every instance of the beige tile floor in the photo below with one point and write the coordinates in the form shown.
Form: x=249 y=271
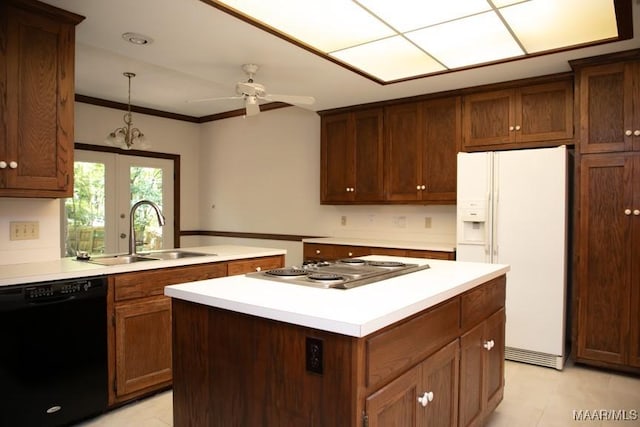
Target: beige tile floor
x=533 y=396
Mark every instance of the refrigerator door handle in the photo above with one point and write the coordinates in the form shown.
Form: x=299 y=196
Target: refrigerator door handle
x=496 y=207
x=487 y=228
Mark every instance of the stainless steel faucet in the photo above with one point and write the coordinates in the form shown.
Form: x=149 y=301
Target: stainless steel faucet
x=132 y=237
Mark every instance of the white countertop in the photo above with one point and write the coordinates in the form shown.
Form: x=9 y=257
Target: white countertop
x=70 y=268
x=355 y=312
x=378 y=243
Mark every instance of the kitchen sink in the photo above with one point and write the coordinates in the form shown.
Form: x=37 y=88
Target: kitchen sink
x=147 y=256
x=174 y=254
x=121 y=259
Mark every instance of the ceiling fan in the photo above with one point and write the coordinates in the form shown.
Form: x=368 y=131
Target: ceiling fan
x=252 y=92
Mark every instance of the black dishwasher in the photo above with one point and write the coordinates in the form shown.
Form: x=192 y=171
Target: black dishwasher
x=53 y=352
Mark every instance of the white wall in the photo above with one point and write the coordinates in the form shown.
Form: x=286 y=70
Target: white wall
x=262 y=174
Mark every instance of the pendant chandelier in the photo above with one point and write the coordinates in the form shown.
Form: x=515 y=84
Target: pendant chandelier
x=126 y=137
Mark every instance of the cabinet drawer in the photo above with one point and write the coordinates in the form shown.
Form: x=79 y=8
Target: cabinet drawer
x=152 y=282
x=253 y=264
x=478 y=304
x=397 y=349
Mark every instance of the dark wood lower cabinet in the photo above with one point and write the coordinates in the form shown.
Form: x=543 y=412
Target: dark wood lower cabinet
x=425 y=395
x=427 y=370
x=139 y=336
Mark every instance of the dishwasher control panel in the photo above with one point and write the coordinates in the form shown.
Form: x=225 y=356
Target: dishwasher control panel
x=12 y=297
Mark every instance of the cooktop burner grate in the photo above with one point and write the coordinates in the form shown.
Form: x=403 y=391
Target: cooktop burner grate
x=325 y=277
x=386 y=264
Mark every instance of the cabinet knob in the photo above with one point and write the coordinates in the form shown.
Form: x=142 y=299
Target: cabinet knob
x=13 y=165
x=3 y=164
x=488 y=344
x=511 y=128
x=636 y=212
x=425 y=398
x=317 y=251
x=636 y=132
x=350 y=254
x=628 y=132
x=418 y=187
x=258 y=268
x=424 y=187
x=123 y=236
x=627 y=211
x=517 y=127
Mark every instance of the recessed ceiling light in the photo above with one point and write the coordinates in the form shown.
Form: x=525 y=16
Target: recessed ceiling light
x=136 y=38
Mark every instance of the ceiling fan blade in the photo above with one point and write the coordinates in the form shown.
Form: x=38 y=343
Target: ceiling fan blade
x=251 y=106
x=219 y=98
x=290 y=99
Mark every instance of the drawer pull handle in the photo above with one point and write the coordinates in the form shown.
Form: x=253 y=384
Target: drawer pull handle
x=488 y=344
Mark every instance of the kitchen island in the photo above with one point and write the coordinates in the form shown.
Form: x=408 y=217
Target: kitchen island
x=425 y=346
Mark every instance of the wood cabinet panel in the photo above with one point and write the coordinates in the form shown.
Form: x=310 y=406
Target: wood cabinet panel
x=481 y=370
x=609 y=107
x=528 y=116
x=329 y=252
x=351 y=157
x=143 y=345
x=604 y=287
x=37 y=45
x=255 y=264
x=152 y=282
x=395 y=350
x=397 y=404
x=422 y=141
x=482 y=301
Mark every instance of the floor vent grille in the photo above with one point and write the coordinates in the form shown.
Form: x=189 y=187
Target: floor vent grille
x=534 y=358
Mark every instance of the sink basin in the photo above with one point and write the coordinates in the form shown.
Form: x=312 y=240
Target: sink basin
x=175 y=254
x=121 y=259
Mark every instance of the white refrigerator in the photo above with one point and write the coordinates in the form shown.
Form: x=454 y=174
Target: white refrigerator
x=512 y=209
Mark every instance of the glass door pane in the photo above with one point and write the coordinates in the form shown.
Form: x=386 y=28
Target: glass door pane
x=146 y=179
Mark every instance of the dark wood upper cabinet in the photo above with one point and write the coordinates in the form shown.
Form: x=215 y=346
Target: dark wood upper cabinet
x=351 y=160
x=609 y=99
x=37 y=45
x=527 y=116
x=422 y=140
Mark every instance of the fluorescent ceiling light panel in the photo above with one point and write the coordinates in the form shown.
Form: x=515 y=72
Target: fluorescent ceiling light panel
x=399 y=39
x=389 y=59
x=468 y=41
x=551 y=24
x=326 y=25
x=409 y=15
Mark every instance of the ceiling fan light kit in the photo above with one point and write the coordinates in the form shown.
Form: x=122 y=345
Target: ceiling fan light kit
x=252 y=92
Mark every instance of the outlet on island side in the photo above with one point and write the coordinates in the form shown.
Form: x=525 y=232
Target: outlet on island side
x=313 y=355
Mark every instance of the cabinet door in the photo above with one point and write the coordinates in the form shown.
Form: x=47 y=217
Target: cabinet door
x=634 y=336
x=488 y=117
x=472 y=377
x=396 y=404
x=605 y=257
x=403 y=152
x=545 y=112
x=606 y=109
x=440 y=382
x=39 y=87
x=337 y=158
x=494 y=361
x=442 y=134
x=368 y=142
x=143 y=344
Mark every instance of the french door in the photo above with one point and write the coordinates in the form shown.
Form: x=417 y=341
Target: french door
x=96 y=219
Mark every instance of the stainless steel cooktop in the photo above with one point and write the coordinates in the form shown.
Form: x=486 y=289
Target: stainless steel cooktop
x=342 y=274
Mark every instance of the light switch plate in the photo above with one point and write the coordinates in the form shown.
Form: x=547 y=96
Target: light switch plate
x=26 y=230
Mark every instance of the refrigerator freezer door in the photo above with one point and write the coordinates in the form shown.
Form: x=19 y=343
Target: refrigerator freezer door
x=474 y=215
x=530 y=235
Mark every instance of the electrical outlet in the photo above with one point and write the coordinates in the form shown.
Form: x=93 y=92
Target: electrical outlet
x=314 y=355
x=24 y=230
x=399 y=221
x=343 y=220
x=427 y=222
